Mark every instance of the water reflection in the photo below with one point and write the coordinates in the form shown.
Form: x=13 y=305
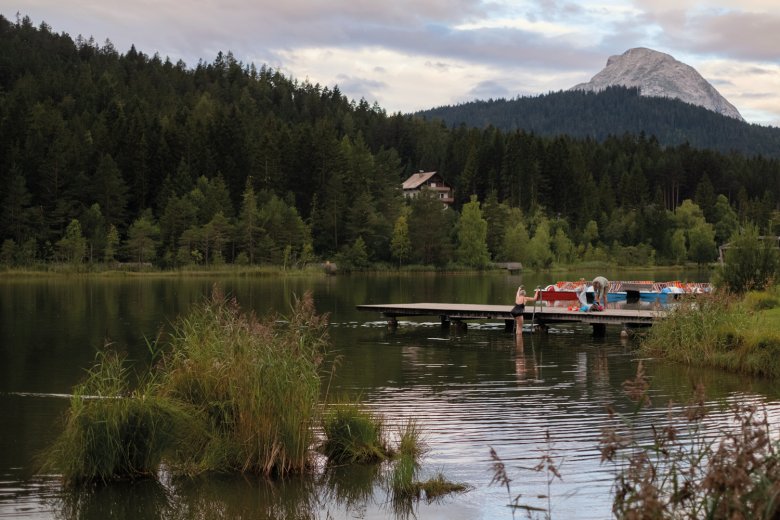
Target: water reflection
x=469 y=389
x=354 y=491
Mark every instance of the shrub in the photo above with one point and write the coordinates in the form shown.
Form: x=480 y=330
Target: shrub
x=750 y=263
x=353 y=435
x=256 y=382
x=113 y=433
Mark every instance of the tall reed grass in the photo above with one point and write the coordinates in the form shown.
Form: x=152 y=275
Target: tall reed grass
x=720 y=331
x=230 y=393
x=113 y=432
x=256 y=382
x=682 y=472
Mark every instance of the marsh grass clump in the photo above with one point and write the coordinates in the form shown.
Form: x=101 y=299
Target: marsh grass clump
x=229 y=393
x=402 y=478
x=256 y=383
x=353 y=435
x=438 y=486
x=410 y=439
x=113 y=432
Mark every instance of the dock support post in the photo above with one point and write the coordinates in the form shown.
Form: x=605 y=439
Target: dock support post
x=445 y=321
x=599 y=330
x=392 y=322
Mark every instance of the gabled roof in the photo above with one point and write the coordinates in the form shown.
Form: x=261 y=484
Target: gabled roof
x=417 y=179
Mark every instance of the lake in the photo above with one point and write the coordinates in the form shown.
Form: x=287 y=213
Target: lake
x=469 y=390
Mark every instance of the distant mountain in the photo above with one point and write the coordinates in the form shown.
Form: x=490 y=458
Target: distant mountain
x=659 y=75
x=615 y=111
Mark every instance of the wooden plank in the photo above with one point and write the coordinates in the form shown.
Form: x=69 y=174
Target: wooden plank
x=540 y=314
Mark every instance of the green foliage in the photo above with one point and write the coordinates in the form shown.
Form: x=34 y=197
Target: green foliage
x=701 y=243
x=400 y=244
x=725 y=220
x=8 y=252
x=73 y=245
x=539 y=254
x=679 y=251
x=750 y=263
x=429 y=229
x=515 y=244
x=472 y=235
x=142 y=238
x=353 y=435
x=354 y=256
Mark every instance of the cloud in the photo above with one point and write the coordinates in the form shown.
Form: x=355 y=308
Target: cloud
x=489 y=89
x=412 y=54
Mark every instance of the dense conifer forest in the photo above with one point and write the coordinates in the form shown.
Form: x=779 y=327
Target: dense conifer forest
x=616 y=110
x=112 y=158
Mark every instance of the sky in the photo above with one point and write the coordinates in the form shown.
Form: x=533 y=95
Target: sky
x=408 y=55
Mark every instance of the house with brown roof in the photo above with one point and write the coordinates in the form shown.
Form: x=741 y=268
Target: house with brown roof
x=432 y=181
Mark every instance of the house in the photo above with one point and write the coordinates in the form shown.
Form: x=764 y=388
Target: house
x=432 y=181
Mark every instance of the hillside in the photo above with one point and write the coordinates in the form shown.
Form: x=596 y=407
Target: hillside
x=109 y=156
x=614 y=111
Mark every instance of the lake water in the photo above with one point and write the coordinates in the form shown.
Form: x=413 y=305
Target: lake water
x=469 y=390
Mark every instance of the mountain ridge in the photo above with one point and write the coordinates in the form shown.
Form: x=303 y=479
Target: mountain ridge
x=657 y=74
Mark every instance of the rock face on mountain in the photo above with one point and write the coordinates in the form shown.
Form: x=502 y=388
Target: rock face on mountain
x=660 y=75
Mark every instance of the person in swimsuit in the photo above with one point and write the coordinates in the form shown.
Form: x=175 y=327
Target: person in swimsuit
x=519 y=308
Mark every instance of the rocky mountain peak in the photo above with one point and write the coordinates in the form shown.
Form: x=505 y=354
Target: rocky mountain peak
x=660 y=75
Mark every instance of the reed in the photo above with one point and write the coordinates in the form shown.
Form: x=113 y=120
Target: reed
x=353 y=435
x=113 y=432
x=411 y=441
x=684 y=472
x=721 y=332
x=256 y=382
x=402 y=479
x=229 y=393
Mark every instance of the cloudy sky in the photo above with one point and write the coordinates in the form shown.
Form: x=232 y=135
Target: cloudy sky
x=414 y=54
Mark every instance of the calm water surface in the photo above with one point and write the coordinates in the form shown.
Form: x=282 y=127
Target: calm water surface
x=469 y=390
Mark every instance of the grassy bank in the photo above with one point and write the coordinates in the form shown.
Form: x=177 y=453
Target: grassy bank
x=105 y=271
x=739 y=334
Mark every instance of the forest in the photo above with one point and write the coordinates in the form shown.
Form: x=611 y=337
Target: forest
x=109 y=158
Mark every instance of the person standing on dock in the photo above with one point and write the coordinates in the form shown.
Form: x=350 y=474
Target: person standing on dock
x=600 y=288
x=519 y=308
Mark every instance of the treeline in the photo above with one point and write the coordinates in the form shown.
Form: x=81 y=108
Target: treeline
x=110 y=157
x=614 y=111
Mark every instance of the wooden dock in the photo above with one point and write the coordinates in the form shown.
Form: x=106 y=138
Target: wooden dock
x=540 y=315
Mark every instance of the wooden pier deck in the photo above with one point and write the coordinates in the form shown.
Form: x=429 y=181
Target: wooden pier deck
x=540 y=315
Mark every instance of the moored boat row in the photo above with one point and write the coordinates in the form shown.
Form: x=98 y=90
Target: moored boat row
x=644 y=290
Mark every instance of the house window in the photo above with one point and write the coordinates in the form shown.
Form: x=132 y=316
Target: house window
x=441 y=195
x=433 y=185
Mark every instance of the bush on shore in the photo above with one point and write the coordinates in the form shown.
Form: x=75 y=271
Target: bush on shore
x=721 y=331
